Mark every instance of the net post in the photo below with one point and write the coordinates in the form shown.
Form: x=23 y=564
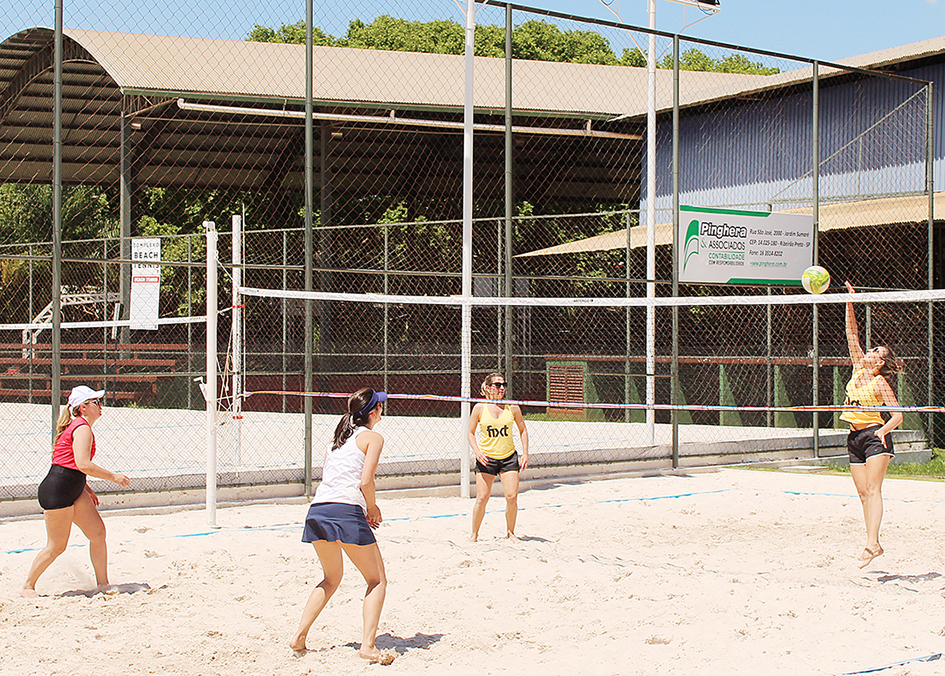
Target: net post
x=211 y=389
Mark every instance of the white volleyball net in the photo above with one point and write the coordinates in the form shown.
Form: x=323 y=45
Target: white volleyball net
x=744 y=376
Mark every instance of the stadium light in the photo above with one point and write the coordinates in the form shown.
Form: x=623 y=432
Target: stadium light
x=710 y=6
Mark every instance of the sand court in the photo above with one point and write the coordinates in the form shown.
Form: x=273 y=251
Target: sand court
x=721 y=572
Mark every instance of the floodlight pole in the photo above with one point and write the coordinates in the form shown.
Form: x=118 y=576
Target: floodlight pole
x=466 y=329
x=651 y=224
x=210 y=392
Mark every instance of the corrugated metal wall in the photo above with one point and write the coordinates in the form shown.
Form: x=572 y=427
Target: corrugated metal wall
x=757 y=155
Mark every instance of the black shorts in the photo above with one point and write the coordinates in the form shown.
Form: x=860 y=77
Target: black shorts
x=337 y=522
x=863 y=444
x=496 y=467
x=61 y=487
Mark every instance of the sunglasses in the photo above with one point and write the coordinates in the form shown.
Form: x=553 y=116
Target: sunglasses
x=97 y=402
x=500 y=384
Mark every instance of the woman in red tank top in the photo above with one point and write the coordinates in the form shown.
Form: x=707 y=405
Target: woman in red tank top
x=64 y=495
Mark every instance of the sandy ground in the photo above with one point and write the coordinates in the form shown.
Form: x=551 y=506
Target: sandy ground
x=728 y=572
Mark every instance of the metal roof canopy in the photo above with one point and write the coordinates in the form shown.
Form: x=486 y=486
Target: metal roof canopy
x=216 y=139
x=111 y=77
x=834 y=216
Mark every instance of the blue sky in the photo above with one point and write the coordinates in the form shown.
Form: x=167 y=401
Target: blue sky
x=821 y=29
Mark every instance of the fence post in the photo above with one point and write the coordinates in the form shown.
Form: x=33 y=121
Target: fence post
x=56 y=368
x=236 y=251
x=815 y=161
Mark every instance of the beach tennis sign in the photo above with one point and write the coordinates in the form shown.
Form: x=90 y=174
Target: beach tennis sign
x=726 y=246
x=145 y=283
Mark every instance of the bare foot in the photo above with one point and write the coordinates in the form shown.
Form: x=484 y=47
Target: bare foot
x=298 y=644
x=28 y=593
x=512 y=537
x=474 y=537
x=869 y=554
x=371 y=654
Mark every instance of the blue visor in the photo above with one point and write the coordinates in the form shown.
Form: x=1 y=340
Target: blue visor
x=376 y=398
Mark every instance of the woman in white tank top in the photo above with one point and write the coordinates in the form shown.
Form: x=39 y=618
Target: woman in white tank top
x=343 y=514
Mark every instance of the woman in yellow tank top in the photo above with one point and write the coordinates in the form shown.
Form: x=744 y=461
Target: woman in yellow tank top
x=869 y=443
x=495 y=452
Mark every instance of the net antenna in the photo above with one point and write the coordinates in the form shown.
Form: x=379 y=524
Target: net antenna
x=707 y=7
x=614 y=7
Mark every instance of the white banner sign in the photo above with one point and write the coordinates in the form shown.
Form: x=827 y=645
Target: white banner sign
x=726 y=246
x=145 y=284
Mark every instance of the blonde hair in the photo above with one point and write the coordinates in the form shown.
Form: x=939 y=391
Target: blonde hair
x=489 y=379
x=62 y=422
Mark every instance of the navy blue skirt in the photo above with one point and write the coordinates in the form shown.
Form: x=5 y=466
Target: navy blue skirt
x=337 y=522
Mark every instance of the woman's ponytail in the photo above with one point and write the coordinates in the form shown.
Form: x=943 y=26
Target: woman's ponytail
x=65 y=417
x=354 y=417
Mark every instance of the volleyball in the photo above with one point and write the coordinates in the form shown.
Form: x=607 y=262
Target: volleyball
x=815 y=279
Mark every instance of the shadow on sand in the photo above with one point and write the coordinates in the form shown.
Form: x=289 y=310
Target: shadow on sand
x=908 y=578
x=127 y=588
x=402 y=645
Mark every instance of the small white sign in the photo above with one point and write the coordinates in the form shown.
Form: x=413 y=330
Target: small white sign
x=726 y=246
x=145 y=283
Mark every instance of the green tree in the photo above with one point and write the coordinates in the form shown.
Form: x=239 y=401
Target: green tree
x=290 y=34
x=739 y=63
x=693 y=59
x=543 y=41
x=535 y=40
x=400 y=35
x=633 y=57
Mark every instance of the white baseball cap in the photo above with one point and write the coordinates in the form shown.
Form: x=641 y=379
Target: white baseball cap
x=82 y=394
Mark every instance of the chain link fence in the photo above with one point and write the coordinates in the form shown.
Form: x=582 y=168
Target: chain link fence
x=162 y=133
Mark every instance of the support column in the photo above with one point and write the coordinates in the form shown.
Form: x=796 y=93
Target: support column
x=126 y=189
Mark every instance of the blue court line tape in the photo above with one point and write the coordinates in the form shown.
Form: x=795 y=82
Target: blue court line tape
x=907 y=501
x=219 y=531
x=36 y=549
x=821 y=495
x=673 y=496
x=667 y=497
x=927 y=658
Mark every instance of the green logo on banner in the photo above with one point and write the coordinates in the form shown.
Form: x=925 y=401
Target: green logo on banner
x=691 y=247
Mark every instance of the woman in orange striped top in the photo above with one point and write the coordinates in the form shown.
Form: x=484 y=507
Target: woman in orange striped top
x=869 y=443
